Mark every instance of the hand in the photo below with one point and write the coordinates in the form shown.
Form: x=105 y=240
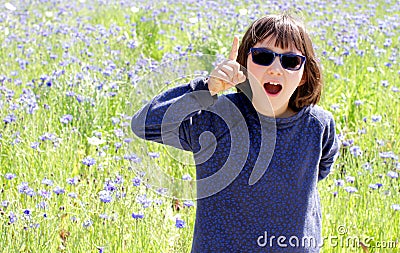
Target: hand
x=227 y=74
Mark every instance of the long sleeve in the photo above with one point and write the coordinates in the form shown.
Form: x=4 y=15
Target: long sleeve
x=330 y=149
x=166 y=118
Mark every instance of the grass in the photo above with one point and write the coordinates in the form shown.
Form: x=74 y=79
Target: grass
x=98 y=62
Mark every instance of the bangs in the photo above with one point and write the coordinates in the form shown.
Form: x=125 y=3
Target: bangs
x=283 y=30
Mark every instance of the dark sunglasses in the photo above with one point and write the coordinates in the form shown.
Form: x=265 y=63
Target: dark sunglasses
x=265 y=57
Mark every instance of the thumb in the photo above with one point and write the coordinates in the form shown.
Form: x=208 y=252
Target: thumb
x=235 y=47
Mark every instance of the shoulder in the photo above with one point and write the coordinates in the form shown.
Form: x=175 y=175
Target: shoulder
x=323 y=116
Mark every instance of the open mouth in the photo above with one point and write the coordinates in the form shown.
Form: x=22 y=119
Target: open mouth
x=272 y=88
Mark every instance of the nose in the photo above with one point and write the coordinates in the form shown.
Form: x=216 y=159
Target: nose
x=275 y=68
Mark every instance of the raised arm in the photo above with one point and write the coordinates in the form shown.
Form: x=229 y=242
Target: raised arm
x=166 y=118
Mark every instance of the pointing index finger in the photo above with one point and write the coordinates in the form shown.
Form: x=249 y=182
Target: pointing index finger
x=235 y=47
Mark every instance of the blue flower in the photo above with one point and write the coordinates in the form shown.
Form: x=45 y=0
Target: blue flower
x=72 y=181
x=105 y=196
x=45 y=194
x=350 y=189
x=350 y=179
x=180 y=223
x=88 y=161
x=58 y=190
x=154 y=154
x=376 y=118
x=137 y=215
x=136 y=181
x=87 y=223
x=66 y=119
x=72 y=195
x=48 y=182
x=188 y=203
x=393 y=174
x=12 y=217
x=396 y=207
x=10 y=176
x=35 y=145
x=186 y=177
x=356 y=151
x=339 y=182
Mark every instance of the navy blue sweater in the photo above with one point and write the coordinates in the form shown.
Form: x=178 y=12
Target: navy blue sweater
x=256 y=175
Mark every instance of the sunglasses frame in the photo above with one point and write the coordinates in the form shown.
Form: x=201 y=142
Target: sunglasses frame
x=260 y=49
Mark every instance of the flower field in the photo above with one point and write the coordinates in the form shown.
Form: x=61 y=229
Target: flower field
x=73 y=176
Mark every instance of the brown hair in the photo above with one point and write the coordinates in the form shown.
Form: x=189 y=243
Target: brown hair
x=287 y=31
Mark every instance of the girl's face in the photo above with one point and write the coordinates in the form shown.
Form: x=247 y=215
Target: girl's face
x=272 y=85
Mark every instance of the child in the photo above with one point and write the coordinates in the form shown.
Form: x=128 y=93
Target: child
x=259 y=152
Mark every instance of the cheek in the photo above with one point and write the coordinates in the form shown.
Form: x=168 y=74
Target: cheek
x=254 y=69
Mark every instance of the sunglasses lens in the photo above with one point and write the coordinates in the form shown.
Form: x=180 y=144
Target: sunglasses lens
x=262 y=58
x=291 y=62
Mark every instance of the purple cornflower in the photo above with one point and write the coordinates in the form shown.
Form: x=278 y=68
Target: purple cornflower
x=12 y=217
x=136 y=181
x=161 y=191
x=10 y=176
x=66 y=119
x=10 y=118
x=350 y=179
x=45 y=194
x=118 y=179
x=115 y=120
x=27 y=212
x=138 y=215
x=358 y=102
x=58 y=190
x=105 y=196
x=5 y=203
x=188 y=203
x=393 y=174
x=35 y=145
x=109 y=186
x=376 y=118
x=72 y=181
x=389 y=154
x=132 y=157
x=41 y=205
x=351 y=189
x=154 y=154
x=179 y=223
x=47 y=182
x=103 y=216
x=88 y=161
x=87 y=223
x=347 y=143
x=117 y=145
x=119 y=133
x=22 y=187
x=375 y=186
x=143 y=200
x=339 y=182
x=396 y=207
x=72 y=195
x=356 y=151
x=186 y=177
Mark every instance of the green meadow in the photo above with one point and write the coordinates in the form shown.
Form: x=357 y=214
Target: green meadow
x=73 y=176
